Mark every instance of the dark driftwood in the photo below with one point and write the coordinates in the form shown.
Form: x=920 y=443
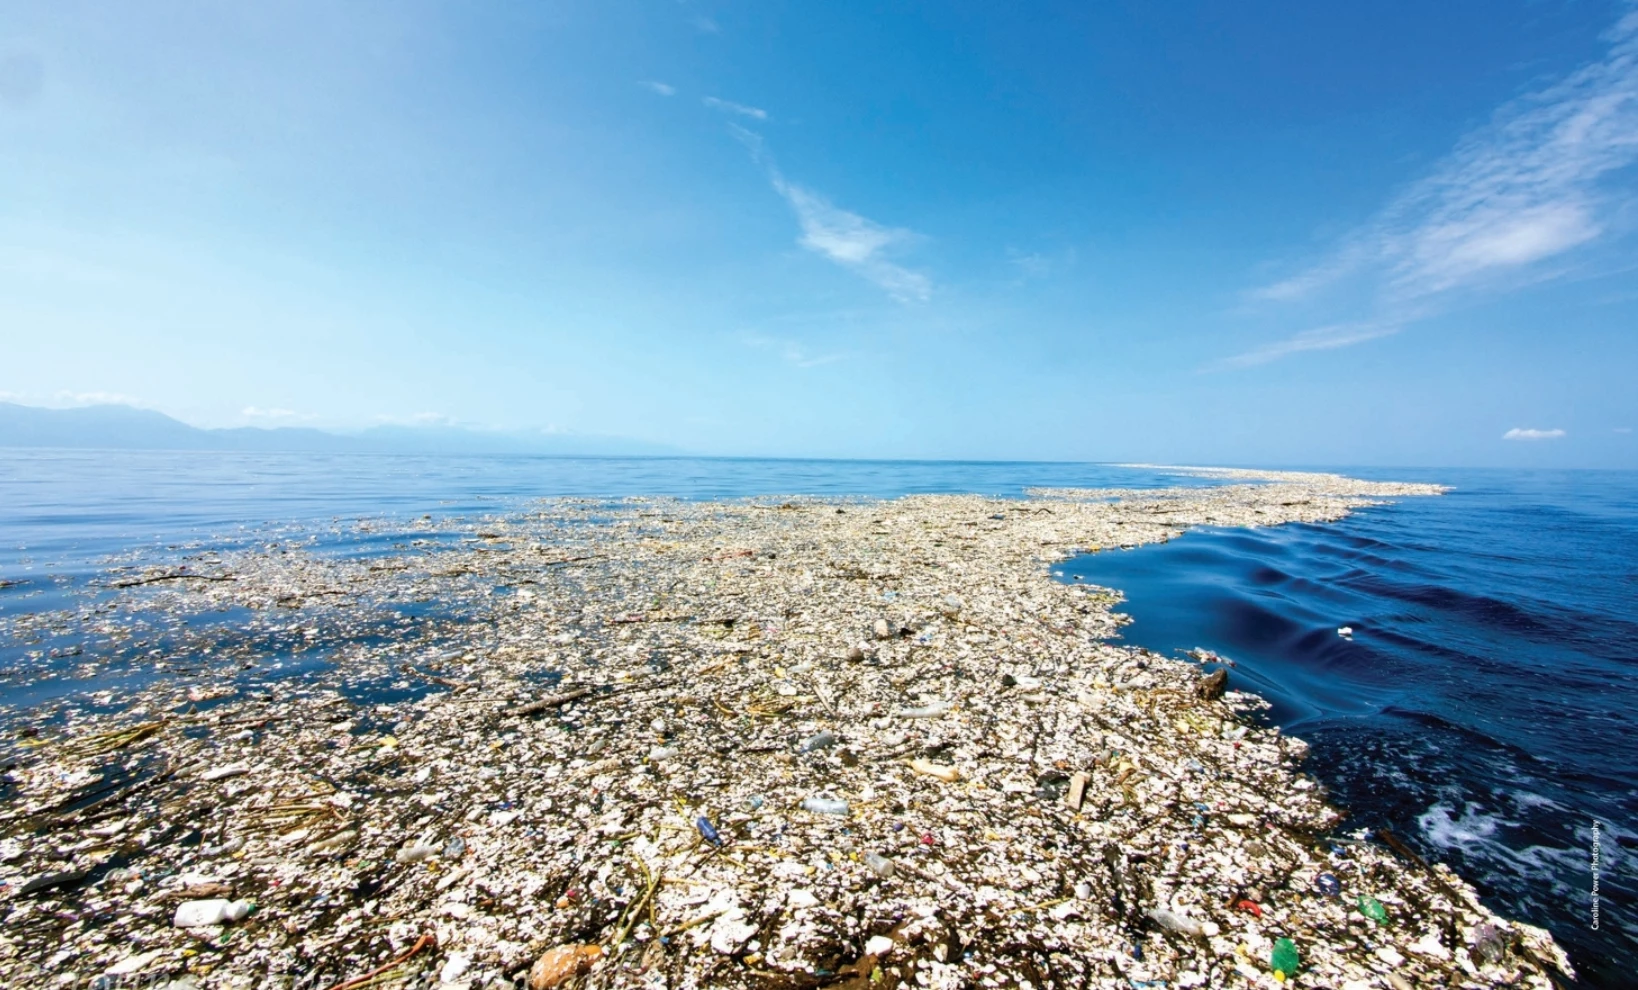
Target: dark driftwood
x=53 y=881
x=170 y=577
x=570 y=560
x=1212 y=686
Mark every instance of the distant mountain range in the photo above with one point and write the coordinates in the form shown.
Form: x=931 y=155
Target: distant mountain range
x=128 y=428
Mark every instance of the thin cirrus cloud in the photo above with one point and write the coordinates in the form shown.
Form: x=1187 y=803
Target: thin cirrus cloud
x=791 y=352
x=854 y=242
x=95 y=399
x=275 y=414
x=663 y=89
x=1028 y=266
x=729 y=106
x=1528 y=187
x=417 y=419
x=71 y=399
x=1318 y=339
x=1519 y=433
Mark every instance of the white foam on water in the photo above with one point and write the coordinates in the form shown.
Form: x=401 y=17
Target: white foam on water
x=1529 y=800
x=1477 y=836
x=1444 y=828
x=1547 y=864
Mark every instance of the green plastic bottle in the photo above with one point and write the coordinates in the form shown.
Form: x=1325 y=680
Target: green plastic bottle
x=1284 y=958
x=1372 y=908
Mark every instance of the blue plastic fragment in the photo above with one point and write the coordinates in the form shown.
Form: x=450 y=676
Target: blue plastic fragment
x=1328 y=884
x=708 y=831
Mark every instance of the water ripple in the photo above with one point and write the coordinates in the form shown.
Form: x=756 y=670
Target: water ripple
x=1487 y=702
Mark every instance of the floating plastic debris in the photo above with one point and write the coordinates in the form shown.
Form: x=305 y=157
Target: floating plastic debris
x=995 y=771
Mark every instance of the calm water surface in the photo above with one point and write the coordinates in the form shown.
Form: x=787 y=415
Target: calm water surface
x=1485 y=707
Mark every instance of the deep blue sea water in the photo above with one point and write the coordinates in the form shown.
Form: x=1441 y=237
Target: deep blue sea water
x=1485 y=708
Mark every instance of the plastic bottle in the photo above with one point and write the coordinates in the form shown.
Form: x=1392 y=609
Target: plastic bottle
x=196 y=914
x=1174 y=922
x=825 y=805
x=822 y=740
x=227 y=848
x=1283 y=960
x=416 y=853
x=879 y=865
x=1489 y=944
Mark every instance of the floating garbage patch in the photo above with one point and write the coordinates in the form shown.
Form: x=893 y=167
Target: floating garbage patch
x=763 y=743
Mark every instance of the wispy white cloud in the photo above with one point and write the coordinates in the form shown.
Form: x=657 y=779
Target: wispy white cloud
x=1348 y=258
x=661 y=88
x=856 y=243
x=729 y=106
x=791 y=351
x=1033 y=265
x=1518 y=433
x=71 y=398
x=1326 y=338
x=1527 y=188
x=1622 y=429
x=68 y=398
x=276 y=415
x=417 y=419
x=752 y=141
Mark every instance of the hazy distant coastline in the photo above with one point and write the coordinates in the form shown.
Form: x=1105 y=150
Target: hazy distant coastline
x=120 y=427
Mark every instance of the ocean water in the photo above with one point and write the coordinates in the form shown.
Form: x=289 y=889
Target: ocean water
x=68 y=518
x=1484 y=708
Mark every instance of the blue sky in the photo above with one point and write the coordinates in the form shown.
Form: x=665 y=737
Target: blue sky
x=1249 y=232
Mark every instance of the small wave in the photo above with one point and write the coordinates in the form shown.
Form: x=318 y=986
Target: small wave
x=1485 y=707
x=1265 y=576
x=1480 y=609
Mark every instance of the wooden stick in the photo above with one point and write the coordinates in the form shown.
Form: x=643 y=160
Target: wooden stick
x=170 y=577
x=569 y=560
x=421 y=943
